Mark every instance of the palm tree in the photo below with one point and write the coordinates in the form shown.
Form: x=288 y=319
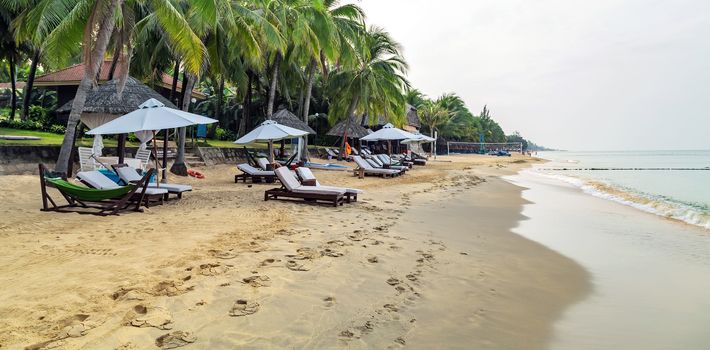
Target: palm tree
x=348 y=23
x=375 y=84
x=434 y=114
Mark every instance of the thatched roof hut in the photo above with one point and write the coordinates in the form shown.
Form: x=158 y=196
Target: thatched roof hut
x=103 y=103
x=285 y=117
x=354 y=131
x=104 y=99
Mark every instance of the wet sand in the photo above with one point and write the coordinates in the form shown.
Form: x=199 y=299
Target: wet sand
x=425 y=260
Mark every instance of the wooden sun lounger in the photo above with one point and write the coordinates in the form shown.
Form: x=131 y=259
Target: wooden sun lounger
x=106 y=206
x=364 y=168
x=254 y=175
x=308 y=179
x=291 y=188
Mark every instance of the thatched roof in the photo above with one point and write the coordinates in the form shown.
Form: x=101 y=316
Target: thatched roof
x=355 y=130
x=105 y=100
x=285 y=117
x=412 y=118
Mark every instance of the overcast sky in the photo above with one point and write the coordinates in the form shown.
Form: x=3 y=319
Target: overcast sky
x=571 y=74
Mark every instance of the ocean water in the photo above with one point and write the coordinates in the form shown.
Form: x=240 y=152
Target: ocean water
x=677 y=194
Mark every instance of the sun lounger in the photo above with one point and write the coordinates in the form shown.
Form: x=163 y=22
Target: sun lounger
x=96 y=179
x=130 y=175
x=108 y=202
x=308 y=179
x=365 y=168
x=291 y=188
x=384 y=161
x=254 y=174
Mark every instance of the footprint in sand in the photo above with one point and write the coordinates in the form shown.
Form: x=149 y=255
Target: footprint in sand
x=329 y=301
x=75 y=326
x=297 y=266
x=148 y=316
x=391 y=307
x=304 y=254
x=267 y=262
x=211 y=269
x=412 y=277
x=393 y=281
x=356 y=236
x=257 y=281
x=336 y=242
x=331 y=253
x=174 y=340
x=243 y=307
x=373 y=259
x=223 y=254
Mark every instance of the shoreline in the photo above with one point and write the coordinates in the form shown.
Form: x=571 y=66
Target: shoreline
x=369 y=274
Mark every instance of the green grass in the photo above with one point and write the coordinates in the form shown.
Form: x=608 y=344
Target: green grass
x=50 y=139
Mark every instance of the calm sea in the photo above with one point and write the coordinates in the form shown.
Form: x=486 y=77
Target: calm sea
x=679 y=194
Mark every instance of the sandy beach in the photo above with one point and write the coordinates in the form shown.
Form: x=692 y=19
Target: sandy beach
x=426 y=260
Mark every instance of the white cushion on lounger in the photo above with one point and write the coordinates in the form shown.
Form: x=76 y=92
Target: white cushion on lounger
x=369 y=169
x=307 y=174
x=254 y=171
x=129 y=174
x=98 y=180
x=289 y=180
x=263 y=162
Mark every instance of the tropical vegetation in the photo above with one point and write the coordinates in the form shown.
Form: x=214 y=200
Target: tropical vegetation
x=250 y=57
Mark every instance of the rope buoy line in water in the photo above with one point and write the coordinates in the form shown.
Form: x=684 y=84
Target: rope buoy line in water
x=624 y=169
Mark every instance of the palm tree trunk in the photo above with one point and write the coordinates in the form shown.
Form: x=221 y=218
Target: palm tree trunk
x=97 y=55
x=114 y=59
x=246 y=112
x=13 y=87
x=28 y=87
x=301 y=94
x=184 y=85
x=350 y=115
x=176 y=77
x=179 y=167
x=309 y=89
x=272 y=88
x=220 y=98
x=324 y=65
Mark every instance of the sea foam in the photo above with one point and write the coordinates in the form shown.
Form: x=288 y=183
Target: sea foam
x=661 y=206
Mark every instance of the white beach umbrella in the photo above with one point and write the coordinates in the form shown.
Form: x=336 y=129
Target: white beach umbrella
x=270 y=131
x=419 y=138
x=151 y=116
x=389 y=133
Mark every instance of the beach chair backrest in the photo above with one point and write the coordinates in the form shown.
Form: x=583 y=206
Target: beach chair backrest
x=247 y=168
x=127 y=174
x=331 y=153
x=144 y=156
x=385 y=159
x=86 y=161
x=373 y=163
x=287 y=179
x=354 y=151
x=305 y=174
x=97 y=180
x=263 y=163
x=376 y=160
x=361 y=162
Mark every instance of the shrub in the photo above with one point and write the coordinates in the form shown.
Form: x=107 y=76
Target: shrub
x=224 y=135
x=219 y=133
x=41 y=115
x=57 y=129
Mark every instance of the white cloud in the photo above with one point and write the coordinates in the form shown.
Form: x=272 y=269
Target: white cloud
x=603 y=74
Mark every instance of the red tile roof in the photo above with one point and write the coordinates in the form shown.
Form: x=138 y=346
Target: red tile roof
x=18 y=85
x=72 y=75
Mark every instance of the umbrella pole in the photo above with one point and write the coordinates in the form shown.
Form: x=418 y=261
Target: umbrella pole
x=165 y=155
x=155 y=157
x=271 y=151
x=121 y=148
x=389 y=151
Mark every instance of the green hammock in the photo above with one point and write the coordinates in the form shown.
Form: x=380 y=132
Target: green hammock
x=88 y=194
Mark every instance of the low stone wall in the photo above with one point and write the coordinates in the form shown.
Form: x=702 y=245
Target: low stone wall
x=21 y=160
x=214 y=155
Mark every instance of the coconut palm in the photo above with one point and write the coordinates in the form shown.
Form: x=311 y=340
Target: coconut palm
x=434 y=114
x=375 y=84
